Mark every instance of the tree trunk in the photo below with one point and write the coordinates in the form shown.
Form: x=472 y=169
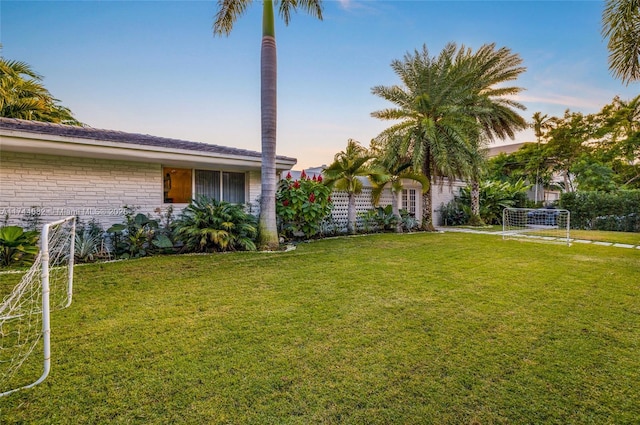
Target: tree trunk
x=475 y=219
x=427 y=197
x=351 y=214
x=268 y=231
x=396 y=211
x=475 y=198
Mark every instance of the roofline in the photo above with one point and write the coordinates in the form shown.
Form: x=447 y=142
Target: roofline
x=36 y=137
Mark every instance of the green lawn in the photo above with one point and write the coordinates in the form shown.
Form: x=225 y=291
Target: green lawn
x=412 y=329
x=589 y=235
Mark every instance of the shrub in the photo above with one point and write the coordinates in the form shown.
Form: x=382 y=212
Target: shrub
x=615 y=211
x=494 y=198
x=138 y=236
x=453 y=213
x=207 y=225
x=17 y=247
x=409 y=221
x=90 y=242
x=302 y=206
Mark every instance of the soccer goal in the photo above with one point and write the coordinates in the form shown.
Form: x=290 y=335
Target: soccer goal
x=25 y=312
x=543 y=224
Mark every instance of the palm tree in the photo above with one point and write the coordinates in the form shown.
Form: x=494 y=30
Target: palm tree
x=540 y=125
x=492 y=106
x=228 y=12
x=621 y=25
x=393 y=171
x=432 y=128
x=343 y=174
x=446 y=106
x=23 y=96
x=478 y=166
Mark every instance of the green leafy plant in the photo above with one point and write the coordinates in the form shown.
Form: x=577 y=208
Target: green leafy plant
x=138 y=236
x=207 y=225
x=89 y=244
x=17 y=246
x=385 y=218
x=377 y=219
x=409 y=221
x=615 y=211
x=494 y=197
x=302 y=205
x=453 y=213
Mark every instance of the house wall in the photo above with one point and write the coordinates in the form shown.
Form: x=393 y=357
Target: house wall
x=442 y=195
x=255 y=188
x=57 y=186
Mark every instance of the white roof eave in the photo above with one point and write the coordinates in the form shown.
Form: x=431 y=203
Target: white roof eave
x=16 y=141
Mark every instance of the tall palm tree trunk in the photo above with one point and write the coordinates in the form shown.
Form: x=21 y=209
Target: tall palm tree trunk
x=268 y=236
x=351 y=214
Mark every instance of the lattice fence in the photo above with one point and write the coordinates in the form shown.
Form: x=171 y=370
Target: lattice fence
x=339 y=214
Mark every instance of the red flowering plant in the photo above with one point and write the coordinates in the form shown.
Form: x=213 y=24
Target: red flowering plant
x=302 y=205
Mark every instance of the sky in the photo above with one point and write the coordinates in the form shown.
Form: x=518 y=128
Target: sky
x=155 y=67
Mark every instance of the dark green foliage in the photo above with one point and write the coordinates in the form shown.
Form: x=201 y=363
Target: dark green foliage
x=207 y=225
x=382 y=219
x=494 y=197
x=138 y=236
x=302 y=206
x=453 y=213
x=17 y=247
x=615 y=211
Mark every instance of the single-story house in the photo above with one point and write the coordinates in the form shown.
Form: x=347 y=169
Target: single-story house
x=56 y=170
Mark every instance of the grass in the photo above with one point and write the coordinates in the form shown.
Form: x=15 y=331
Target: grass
x=589 y=235
x=415 y=329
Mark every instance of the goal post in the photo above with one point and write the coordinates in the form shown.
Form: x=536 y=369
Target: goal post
x=25 y=313
x=544 y=224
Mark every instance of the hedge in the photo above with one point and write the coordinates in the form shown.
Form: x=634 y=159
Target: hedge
x=616 y=211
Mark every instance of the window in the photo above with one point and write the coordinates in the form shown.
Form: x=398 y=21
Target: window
x=180 y=187
x=409 y=200
x=177 y=185
x=233 y=187
x=208 y=183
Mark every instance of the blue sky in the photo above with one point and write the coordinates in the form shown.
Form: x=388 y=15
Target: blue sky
x=154 y=67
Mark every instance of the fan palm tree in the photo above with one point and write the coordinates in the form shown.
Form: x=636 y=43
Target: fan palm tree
x=23 y=96
x=344 y=174
x=228 y=13
x=621 y=25
x=394 y=171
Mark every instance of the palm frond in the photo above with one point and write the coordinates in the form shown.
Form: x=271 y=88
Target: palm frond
x=228 y=13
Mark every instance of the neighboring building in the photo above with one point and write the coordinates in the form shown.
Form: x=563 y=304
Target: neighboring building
x=505 y=149
x=57 y=170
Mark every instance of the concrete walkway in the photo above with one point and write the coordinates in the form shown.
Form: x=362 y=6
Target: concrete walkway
x=546 y=238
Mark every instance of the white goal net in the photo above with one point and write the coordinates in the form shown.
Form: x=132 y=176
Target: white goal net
x=542 y=224
x=24 y=312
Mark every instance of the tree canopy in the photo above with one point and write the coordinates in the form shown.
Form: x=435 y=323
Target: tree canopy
x=23 y=96
x=448 y=107
x=599 y=151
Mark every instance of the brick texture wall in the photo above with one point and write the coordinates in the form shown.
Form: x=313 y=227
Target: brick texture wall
x=57 y=186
